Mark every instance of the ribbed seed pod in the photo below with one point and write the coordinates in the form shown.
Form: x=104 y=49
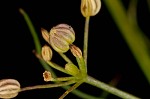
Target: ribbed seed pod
x=9 y=88
x=47 y=53
x=61 y=36
x=90 y=7
x=75 y=51
x=45 y=34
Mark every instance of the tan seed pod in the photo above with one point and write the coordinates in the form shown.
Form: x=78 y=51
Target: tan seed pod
x=75 y=51
x=90 y=7
x=47 y=53
x=9 y=88
x=45 y=34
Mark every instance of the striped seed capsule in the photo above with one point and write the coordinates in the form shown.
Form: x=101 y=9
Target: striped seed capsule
x=45 y=34
x=75 y=51
x=90 y=7
x=9 y=88
x=47 y=53
x=61 y=36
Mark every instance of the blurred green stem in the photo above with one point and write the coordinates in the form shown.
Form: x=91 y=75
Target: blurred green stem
x=148 y=4
x=132 y=12
x=133 y=37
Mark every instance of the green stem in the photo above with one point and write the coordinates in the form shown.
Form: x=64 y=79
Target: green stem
x=32 y=30
x=58 y=79
x=47 y=86
x=132 y=11
x=109 y=88
x=55 y=66
x=81 y=94
x=35 y=38
x=82 y=66
x=65 y=57
x=71 y=89
x=85 y=44
x=133 y=37
x=113 y=83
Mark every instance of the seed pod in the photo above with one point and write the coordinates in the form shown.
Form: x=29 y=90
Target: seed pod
x=61 y=36
x=45 y=34
x=90 y=7
x=47 y=53
x=71 y=69
x=75 y=51
x=9 y=88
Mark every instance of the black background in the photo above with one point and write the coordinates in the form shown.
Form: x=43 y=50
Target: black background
x=108 y=54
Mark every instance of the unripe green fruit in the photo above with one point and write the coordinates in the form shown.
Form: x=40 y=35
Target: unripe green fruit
x=71 y=69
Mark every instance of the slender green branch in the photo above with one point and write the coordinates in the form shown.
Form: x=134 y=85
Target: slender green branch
x=42 y=60
x=47 y=86
x=110 y=89
x=63 y=79
x=81 y=65
x=71 y=89
x=85 y=44
x=134 y=38
x=32 y=30
x=35 y=37
x=65 y=57
x=81 y=94
x=56 y=66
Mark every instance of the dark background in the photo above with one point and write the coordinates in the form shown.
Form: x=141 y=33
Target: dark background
x=108 y=54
